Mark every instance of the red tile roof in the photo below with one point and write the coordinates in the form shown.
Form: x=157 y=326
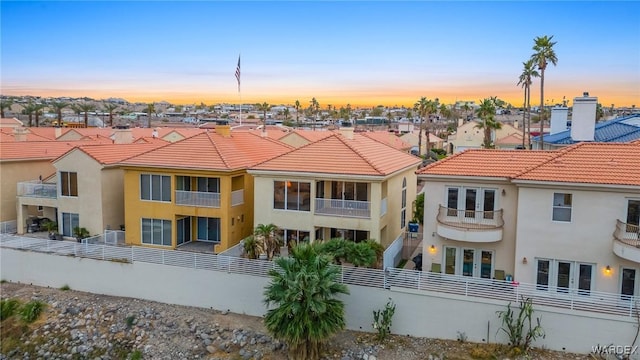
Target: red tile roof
x=337 y=154
x=487 y=163
x=108 y=154
x=387 y=138
x=34 y=150
x=211 y=151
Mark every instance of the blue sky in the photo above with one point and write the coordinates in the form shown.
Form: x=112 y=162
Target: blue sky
x=362 y=53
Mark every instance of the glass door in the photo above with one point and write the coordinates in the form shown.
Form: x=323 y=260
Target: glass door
x=450 y=261
x=633 y=218
x=468 y=262
x=184 y=230
x=564 y=271
x=486 y=264
x=470 y=203
x=542 y=274
x=585 y=276
x=628 y=284
x=489 y=204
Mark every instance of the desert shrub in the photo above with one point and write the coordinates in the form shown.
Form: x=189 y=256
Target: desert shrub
x=382 y=320
x=31 y=311
x=8 y=308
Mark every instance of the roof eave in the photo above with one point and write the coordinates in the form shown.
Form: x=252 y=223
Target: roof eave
x=541 y=183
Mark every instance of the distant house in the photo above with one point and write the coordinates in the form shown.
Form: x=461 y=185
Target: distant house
x=469 y=136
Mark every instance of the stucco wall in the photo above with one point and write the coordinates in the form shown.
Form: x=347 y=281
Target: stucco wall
x=587 y=238
x=13 y=172
x=417 y=313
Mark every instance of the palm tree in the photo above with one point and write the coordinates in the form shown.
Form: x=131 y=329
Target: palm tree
x=110 y=108
x=37 y=110
x=315 y=109
x=85 y=108
x=264 y=107
x=424 y=107
x=297 y=106
x=487 y=112
x=150 y=110
x=544 y=54
x=267 y=234
x=4 y=104
x=286 y=113
x=528 y=72
x=57 y=107
x=466 y=109
x=28 y=109
x=306 y=312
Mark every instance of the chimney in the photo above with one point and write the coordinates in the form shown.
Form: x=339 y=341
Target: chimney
x=583 y=120
x=559 y=119
x=123 y=136
x=223 y=130
x=20 y=133
x=515 y=123
x=460 y=122
x=58 y=131
x=347 y=132
x=154 y=133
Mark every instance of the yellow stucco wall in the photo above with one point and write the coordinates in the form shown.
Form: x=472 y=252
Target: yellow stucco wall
x=13 y=172
x=241 y=215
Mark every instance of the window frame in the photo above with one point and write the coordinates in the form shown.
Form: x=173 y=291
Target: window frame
x=67 y=182
x=150 y=187
x=562 y=206
x=163 y=232
x=288 y=189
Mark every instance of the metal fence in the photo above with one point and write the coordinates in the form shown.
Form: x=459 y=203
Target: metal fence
x=473 y=288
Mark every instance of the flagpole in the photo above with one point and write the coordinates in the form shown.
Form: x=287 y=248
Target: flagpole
x=239 y=92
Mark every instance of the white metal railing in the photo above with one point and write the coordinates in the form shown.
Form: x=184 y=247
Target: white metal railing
x=383 y=207
x=393 y=253
x=235 y=250
x=346 y=208
x=198 y=198
x=36 y=188
x=237 y=197
x=470 y=219
x=474 y=288
x=8 y=227
x=627 y=233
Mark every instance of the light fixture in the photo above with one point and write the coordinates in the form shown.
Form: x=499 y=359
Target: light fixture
x=504 y=192
x=607 y=270
x=432 y=249
x=524 y=260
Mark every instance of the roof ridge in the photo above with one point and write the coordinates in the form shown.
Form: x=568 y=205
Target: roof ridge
x=447 y=159
x=354 y=149
x=555 y=154
x=215 y=147
x=152 y=149
x=291 y=150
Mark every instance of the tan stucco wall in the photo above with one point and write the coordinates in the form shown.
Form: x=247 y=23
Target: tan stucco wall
x=112 y=198
x=13 y=172
x=435 y=195
x=294 y=140
x=136 y=209
x=587 y=238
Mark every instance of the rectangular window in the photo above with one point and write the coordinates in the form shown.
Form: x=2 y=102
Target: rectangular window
x=585 y=276
x=292 y=195
x=156 y=232
x=450 y=260
x=155 y=187
x=206 y=184
x=69 y=222
x=627 y=284
x=542 y=277
x=562 y=207
x=452 y=202
x=208 y=229
x=183 y=183
x=403 y=218
x=633 y=217
x=68 y=183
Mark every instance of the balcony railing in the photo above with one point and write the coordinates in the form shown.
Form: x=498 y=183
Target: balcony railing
x=383 y=207
x=470 y=219
x=197 y=198
x=37 y=189
x=345 y=208
x=237 y=197
x=627 y=233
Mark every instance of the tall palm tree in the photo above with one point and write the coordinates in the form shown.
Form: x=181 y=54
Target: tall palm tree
x=286 y=113
x=267 y=233
x=85 y=108
x=306 y=311
x=5 y=104
x=110 y=108
x=150 y=110
x=543 y=55
x=297 y=106
x=264 y=107
x=37 y=110
x=528 y=73
x=315 y=109
x=57 y=107
x=28 y=109
x=424 y=107
x=487 y=112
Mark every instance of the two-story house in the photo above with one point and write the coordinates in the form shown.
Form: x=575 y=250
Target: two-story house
x=195 y=190
x=565 y=220
x=342 y=186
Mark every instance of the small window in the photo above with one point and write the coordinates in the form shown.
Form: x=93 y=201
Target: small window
x=68 y=183
x=562 y=207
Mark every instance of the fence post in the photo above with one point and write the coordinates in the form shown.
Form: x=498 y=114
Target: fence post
x=385 y=285
x=228 y=264
x=132 y=248
x=195 y=260
x=162 y=252
x=341 y=274
x=103 y=246
x=466 y=288
x=419 y=279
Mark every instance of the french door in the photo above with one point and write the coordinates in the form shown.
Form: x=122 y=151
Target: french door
x=469 y=262
x=471 y=203
x=564 y=277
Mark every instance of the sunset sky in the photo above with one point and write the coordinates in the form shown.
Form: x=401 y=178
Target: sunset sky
x=362 y=53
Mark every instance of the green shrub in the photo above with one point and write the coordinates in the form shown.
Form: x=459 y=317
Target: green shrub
x=135 y=355
x=382 y=320
x=130 y=320
x=31 y=311
x=65 y=287
x=519 y=329
x=8 y=307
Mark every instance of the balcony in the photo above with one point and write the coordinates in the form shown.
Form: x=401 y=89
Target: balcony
x=237 y=197
x=470 y=225
x=197 y=198
x=343 y=208
x=37 y=189
x=626 y=241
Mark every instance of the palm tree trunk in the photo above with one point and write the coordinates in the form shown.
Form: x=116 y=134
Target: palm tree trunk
x=110 y=119
x=529 y=116
x=37 y=119
x=30 y=119
x=524 y=116
x=541 y=108
x=420 y=138
x=86 y=119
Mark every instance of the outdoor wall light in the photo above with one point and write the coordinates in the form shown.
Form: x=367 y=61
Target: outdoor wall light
x=524 y=260
x=504 y=192
x=432 y=249
x=607 y=270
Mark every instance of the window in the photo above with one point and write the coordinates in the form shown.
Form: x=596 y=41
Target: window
x=68 y=183
x=562 y=207
x=69 y=222
x=627 y=283
x=156 y=232
x=351 y=235
x=403 y=210
x=208 y=229
x=633 y=216
x=183 y=183
x=564 y=277
x=209 y=184
x=292 y=237
x=155 y=187
x=292 y=195
x=469 y=262
x=471 y=203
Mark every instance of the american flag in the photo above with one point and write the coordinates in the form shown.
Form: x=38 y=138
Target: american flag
x=238 y=73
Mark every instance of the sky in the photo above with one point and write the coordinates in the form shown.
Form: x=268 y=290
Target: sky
x=360 y=53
